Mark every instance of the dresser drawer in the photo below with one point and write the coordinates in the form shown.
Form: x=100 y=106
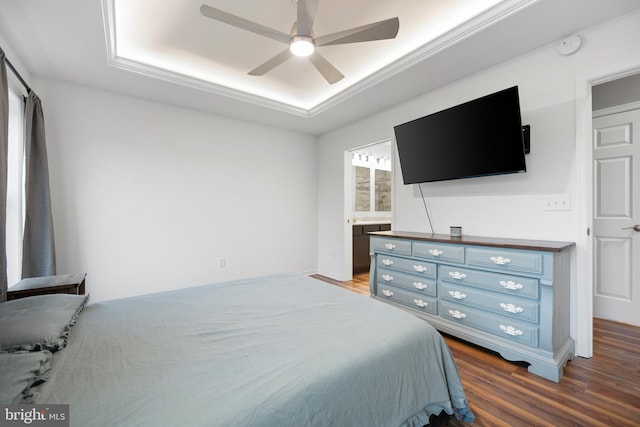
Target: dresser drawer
x=392 y=246
x=422 y=285
x=410 y=299
x=439 y=251
x=517 y=308
x=496 y=325
x=504 y=259
x=406 y=265
x=512 y=285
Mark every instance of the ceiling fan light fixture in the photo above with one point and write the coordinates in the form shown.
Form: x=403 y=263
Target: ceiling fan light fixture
x=302 y=46
x=301 y=39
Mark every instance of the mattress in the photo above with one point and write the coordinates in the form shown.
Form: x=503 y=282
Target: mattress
x=281 y=350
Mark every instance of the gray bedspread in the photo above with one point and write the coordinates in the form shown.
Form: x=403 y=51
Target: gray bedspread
x=284 y=350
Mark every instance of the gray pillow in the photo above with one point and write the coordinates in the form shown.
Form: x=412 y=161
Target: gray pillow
x=20 y=372
x=41 y=322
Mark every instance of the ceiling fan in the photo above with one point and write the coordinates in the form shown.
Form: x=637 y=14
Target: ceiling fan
x=302 y=41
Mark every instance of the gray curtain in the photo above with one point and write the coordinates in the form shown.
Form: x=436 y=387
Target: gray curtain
x=38 y=249
x=4 y=144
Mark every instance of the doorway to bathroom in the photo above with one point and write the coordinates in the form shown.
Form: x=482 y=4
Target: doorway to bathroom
x=368 y=200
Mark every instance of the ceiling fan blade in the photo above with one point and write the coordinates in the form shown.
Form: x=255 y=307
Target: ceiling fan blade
x=328 y=71
x=306 y=15
x=271 y=64
x=236 y=21
x=382 y=30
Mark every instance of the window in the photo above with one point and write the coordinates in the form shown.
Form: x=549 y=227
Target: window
x=15 y=187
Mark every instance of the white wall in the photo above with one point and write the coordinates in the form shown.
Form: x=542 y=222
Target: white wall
x=148 y=197
x=499 y=206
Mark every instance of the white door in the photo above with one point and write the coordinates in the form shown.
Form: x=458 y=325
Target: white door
x=616 y=225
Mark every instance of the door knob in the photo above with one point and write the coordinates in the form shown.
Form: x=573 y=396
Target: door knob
x=635 y=227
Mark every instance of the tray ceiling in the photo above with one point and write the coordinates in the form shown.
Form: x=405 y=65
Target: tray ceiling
x=181 y=45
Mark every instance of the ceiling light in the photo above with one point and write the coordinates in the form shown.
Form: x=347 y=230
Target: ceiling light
x=302 y=46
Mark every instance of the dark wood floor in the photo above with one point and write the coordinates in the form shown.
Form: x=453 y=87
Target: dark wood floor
x=600 y=391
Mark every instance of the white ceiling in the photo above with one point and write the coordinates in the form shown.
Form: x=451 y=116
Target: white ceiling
x=172 y=54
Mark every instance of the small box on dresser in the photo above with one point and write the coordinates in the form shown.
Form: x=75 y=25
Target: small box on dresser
x=507 y=295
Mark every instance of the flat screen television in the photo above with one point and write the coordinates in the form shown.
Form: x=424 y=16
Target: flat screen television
x=477 y=138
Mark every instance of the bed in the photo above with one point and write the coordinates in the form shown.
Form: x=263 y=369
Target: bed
x=282 y=350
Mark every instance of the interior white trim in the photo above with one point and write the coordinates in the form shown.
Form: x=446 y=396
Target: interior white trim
x=617 y=109
x=188 y=81
x=108 y=21
x=584 y=259
x=347 y=214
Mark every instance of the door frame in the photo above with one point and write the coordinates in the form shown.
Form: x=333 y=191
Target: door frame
x=616 y=110
x=584 y=157
x=347 y=267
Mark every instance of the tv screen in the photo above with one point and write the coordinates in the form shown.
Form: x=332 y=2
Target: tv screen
x=480 y=137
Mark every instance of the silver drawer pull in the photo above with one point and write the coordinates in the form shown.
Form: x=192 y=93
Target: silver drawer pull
x=457 y=314
x=457 y=275
x=500 y=260
x=510 y=330
x=511 y=285
x=420 y=303
x=387 y=278
x=420 y=285
x=387 y=293
x=390 y=246
x=435 y=252
x=420 y=268
x=511 y=308
x=457 y=294
x=387 y=262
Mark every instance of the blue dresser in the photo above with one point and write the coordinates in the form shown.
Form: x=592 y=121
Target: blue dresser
x=507 y=295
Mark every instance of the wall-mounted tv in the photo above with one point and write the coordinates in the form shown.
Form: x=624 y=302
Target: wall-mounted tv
x=478 y=138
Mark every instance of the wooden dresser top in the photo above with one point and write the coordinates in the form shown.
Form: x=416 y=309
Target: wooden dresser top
x=532 y=245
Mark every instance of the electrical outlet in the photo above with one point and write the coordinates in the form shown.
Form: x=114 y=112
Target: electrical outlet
x=222 y=262
x=557 y=203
